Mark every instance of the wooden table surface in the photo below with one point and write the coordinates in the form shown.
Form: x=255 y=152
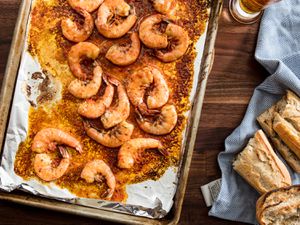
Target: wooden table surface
x=233 y=78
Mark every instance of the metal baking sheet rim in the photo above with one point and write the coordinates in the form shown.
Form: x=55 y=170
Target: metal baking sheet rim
x=7 y=94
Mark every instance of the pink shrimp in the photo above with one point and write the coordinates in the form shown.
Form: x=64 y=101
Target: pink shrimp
x=150 y=35
x=131 y=151
x=112 y=138
x=77 y=53
x=86 y=89
x=95 y=171
x=161 y=124
x=47 y=139
x=179 y=42
x=115 y=18
x=119 y=112
x=138 y=84
x=124 y=55
x=166 y=7
x=43 y=166
x=73 y=31
x=95 y=108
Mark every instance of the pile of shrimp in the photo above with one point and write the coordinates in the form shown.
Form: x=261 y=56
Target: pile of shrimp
x=102 y=98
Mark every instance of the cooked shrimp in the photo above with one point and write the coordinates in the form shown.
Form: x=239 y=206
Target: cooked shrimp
x=88 y=5
x=47 y=139
x=150 y=35
x=95 y=171
x=166 y=7
x=181 y=43
x=79 y=52
x=120 y=111
x=162 y=123
x=95 y=108
x=160 y=92
x=140 y=81
x=87 y=88
x=73 y=31
x=115 y=18
x=124 y=55
x=131 y=151
x=43 y=166
x=137 y=85
x=112 y=138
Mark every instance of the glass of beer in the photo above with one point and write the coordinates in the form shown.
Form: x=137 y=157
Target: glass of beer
x=248 y=11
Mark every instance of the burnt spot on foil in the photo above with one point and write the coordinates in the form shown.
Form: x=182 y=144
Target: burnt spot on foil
x=41 y=88
x=28 y=90
x=37 y=75
x=47 y=93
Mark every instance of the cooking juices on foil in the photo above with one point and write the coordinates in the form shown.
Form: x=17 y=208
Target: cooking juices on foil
x=173 y=76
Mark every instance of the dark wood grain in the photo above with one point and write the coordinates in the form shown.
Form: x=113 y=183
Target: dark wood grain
x=234 y=76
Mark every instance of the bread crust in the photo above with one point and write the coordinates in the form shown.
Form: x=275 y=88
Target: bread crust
x=287 y=107
x=287 y=133
x=284 y=203
x=260 y=166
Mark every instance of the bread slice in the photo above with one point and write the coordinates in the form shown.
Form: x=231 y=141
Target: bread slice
x=287 y=133
x=259 y=165
x=291 y=110
x=287 y=107
x=279 y=207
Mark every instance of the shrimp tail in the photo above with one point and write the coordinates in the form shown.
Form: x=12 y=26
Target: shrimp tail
x=95 y=63
x=105 y=79
x=139 y=115
x=114 y=81
x=99 y=178
x=64 y=153
x=107 y=194
x=79 y=149
x=86 y=125
x=164 y=152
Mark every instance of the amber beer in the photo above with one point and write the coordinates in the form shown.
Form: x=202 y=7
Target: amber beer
x=248 y=11
x=254 y=6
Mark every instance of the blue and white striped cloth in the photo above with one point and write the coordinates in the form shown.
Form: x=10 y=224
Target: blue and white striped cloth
x=278 y=50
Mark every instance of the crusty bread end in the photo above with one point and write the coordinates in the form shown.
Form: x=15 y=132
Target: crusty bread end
x=260 y=166
x=279 y=207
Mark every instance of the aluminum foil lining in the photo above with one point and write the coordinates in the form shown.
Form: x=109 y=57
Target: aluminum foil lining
x=155 y=201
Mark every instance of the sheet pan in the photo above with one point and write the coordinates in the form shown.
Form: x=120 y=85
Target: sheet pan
x=6 y=97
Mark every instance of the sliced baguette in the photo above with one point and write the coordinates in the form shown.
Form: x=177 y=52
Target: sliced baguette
x=259 y=165
x=287 y=133
x=279 y=207
x=287 y=107
x=291 y=110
